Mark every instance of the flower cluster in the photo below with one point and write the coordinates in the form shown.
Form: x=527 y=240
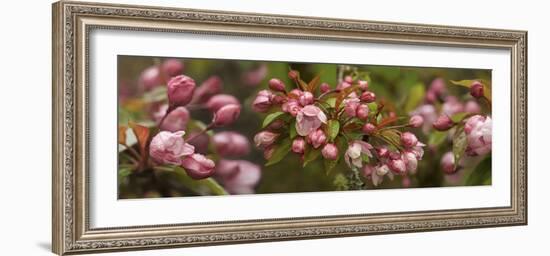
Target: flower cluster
x=314 y=120
x=183 y=142
x=460 y=118
x=169 y=146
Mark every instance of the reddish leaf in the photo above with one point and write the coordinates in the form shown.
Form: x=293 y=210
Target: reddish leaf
x=343 y=94
x=142 y=135
x=122 y=135
x=386 y=121
x=303 y=85
x=314 y=83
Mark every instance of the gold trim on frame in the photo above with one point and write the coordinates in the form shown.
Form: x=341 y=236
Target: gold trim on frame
x=72 y=23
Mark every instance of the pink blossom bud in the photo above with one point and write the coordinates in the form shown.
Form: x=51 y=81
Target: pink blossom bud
x=255 y=76
x=476 y=89
x=408 y=139
x=298 y=145
x=363 y=112
x=448 y=163
x=278 y=99
x=238 y=176
x=411 y=161
x=383 y=152
x=452 y=106
x=330 y=151
x=348 y=79
x=324 y=87
x=276 y=85
x=478 y=131
x=150 y=77
x=276 y=125
x=438 y=87
x=295 y=94
x=472 y=107
x=169 y=148
x=350 y=106
x=268 y=152
x=198 y=166
x=172 y=67
x=265 y=139
x=394 y=155
x=317 y=138
x=292 y=106
x=176 y=120
x=431 y=97
x=368 y=97
x=369 y=128
x=226 y=115
x=397 y=166
x=343 y=85
x=293 y=74
x=363 y=85
x=220 y=100
x=210 y=87
x=180 y=90
x=262 y=102
x=443 y=123
x=231 y=144
x=306 y=98
x=416 y=121
x=200 y=141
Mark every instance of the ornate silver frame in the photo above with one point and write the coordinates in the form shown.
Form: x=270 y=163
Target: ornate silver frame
x=72 y=22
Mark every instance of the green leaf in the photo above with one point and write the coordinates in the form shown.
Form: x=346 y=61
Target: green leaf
x=333 y=127
x=365 y=158
x=271 y=117
x=331 y=102
x=481 y=175
x=280 y=152
x=436 y=138
x=292 y=131
x=415 y=97
x=459 y=144
x=123 y=172
x=373 y=107
x=459 y=116
x=311 y=155
x=463 y=83
x=197 y=186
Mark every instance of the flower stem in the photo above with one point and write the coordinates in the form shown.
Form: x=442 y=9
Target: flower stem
x=207 y=128
x=132 y=151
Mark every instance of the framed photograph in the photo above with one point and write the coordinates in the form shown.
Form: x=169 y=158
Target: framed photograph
x=178 y=127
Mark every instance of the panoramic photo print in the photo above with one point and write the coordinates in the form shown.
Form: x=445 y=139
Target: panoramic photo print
x=206 y=127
